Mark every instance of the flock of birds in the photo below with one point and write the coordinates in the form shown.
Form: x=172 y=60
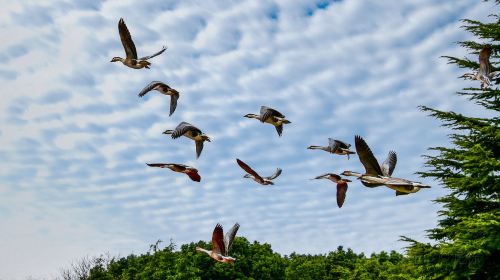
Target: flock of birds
x=375 y=175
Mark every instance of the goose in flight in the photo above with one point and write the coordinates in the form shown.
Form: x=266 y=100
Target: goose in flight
x=256 y=177
x=181 y=168
x=341 y=186
x=335 y=147
x=374 y=172
x=221 y=244
x=270 y=116
x=377 y=175
x=131 y=59
x=484 y=73
x=191 y=132
x=163 y=89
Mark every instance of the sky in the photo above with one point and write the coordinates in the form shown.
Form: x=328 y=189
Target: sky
x=75 y=137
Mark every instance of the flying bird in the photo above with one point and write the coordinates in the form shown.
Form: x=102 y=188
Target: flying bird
x=131 y=59
x=181 y=168
x=221 y=244
x=256 y=177
x=341 y=186
x=163 y=89
x=335 y=147
x=270 y=116
x=191 y=132
x=374 y=172
x=484 y=73
x=377 y=175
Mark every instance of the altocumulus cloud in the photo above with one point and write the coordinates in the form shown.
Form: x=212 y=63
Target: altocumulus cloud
x=75 y=137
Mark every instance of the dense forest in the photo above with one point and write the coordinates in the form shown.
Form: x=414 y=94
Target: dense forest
x=465 y=244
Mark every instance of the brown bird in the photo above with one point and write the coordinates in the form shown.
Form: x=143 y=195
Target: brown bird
x=181 y=168
x=484 y=74
x=341 y=186
x=372 y=177
x=270 y=116
x=131 y=59
x=221 y=244
x=191 y=132
x=335 y=147
x=163 y=89
x=381 y=176
x=256 y=177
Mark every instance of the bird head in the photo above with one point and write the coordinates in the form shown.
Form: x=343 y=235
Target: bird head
x=205 y=138
x=116 y=58
x=252 y=116
x=346 y=173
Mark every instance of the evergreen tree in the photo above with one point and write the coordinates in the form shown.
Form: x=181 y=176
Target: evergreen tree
x=467 y=238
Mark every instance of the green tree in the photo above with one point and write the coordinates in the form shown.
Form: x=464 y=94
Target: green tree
x=467 y=238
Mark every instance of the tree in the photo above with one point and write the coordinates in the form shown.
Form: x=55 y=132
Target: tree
x=467 y=238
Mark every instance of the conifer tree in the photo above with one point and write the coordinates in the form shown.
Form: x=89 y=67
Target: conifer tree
x=466 y=242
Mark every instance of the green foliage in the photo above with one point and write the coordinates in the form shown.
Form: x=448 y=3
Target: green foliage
x=254 y=261
x=467 y=238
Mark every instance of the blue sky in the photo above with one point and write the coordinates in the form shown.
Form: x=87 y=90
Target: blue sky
x=74 y=136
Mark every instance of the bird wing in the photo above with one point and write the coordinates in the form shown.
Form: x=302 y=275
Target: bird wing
x=366 y=157
x=248 y=169
x=150 y=87
x=173 y=102
x=341 y=144
x=275 y=175
x=161 y=165
x=155 y=54
x=266 y=112
x=341 y=192
x=126 y=39
x=333 y=144
x=193 y=174
x=199 y=148
x=218 y=240
x=229 y=237
x=389 y=164
x=279 y=129
x=401 y=193
x=484 y=60
x=184 y=127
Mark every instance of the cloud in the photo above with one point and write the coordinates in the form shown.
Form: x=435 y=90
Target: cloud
x=75 y=137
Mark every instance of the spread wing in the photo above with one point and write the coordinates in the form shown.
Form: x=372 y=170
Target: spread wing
x=275 y=175
x=218 y=240
x=333 y=144
x=126 y=39
x=150 y=87
x=341 y=192
x=341 y=144
x=247 y=168
x=266 y=112
x=153 y=55
x=389 y=164
x=193 y=174
x=199 y=148
x=484 y=60
x=366 y=157
x=279 y=129
x=161 y=165
x=173 y=102
x=184 y=127
x=229 y=237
